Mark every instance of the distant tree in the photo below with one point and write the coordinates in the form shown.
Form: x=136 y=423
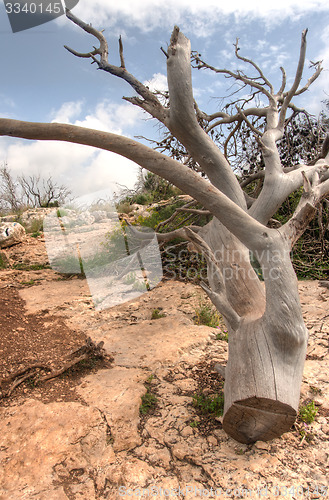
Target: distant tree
x=267 y=334
x=33 y=191
x=40 y=192
x=9 y=199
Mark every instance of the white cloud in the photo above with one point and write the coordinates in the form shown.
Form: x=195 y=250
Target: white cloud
x=111 y=117
x=157 y=82
x=105 y=170
x=67 y=112
x=149 y=14
x=83 y=169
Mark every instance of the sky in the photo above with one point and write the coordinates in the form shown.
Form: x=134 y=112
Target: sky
x=41 y=81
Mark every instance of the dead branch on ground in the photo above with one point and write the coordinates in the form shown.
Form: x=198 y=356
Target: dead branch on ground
x=38 y=372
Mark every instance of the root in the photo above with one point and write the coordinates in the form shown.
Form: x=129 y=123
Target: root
x=36 y=372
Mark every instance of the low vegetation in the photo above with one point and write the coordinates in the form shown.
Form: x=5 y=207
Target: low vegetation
x=157 y=314
x=308 y=412
x=213 y=404
x=206 y=314
x=3 y=261
x=149 y=402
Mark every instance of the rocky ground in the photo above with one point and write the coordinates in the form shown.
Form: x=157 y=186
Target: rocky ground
x=84 y=435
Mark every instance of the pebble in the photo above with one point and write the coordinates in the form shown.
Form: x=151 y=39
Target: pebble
x=261 y=445
x=179 y=451
x=187 y=431
x=212 y=440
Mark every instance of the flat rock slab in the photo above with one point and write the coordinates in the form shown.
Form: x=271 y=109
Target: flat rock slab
x=51 y=295
x=117 y=393
x=155 y=343
x=47 y=446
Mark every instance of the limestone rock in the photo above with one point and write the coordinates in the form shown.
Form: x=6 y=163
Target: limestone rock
x=117 y=393
x=11 y=233
x=31 y=215
x=99 y=215
x=151 y=347
x=49 y=445
x=8 y=218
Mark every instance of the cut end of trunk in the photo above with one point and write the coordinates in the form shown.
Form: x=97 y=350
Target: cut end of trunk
x=258 y=419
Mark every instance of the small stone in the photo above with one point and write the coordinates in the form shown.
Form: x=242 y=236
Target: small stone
x=179 y=451
x=212 y=440
x=187 y=431
x=186 y=384
x=261 y=445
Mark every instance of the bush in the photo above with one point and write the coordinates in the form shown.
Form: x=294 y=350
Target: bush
x=142 y=199
x=207 y=315
x=156 y=314
x=307 y=413
x=209 y=404
x=124 y=207
x=149 y=402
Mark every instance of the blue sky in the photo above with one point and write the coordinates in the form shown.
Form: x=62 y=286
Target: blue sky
x=41 y=81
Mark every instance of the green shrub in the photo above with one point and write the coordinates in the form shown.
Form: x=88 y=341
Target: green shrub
x=156 y=314
x=222 y=336
x=142 y=199
x=140 y=286
x=28 y=283
x=307 y=413
x=149 y=402
x=61 y=212
x=207 y=315
x=194 y=423
x=209 y=404
x=124 y=207
x=160 y=214
x=25 y=266
x=34 y=227
x=130 y=279
x=3 y=261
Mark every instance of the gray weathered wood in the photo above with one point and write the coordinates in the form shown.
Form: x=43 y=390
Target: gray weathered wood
x=267 y=335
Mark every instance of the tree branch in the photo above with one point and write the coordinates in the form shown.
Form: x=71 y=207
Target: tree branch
x=150 y=104
x=217 y=293
x=184 y=124
x=194 y=211
x=284 y=81
x=121 y=53
x=314 y=192
x=242 y=225
x=252 y=63
x=239 y=76
x=299 y=73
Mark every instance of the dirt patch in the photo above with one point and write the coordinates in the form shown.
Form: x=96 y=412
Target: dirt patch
x=45 y=339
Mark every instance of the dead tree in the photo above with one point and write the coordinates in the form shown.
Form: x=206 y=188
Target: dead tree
x=42 y=192
x=267 y=334
x=9 y=198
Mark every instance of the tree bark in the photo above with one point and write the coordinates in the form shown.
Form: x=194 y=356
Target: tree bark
x=266 y=357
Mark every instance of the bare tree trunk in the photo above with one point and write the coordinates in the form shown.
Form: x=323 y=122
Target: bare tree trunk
x=266 y=357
